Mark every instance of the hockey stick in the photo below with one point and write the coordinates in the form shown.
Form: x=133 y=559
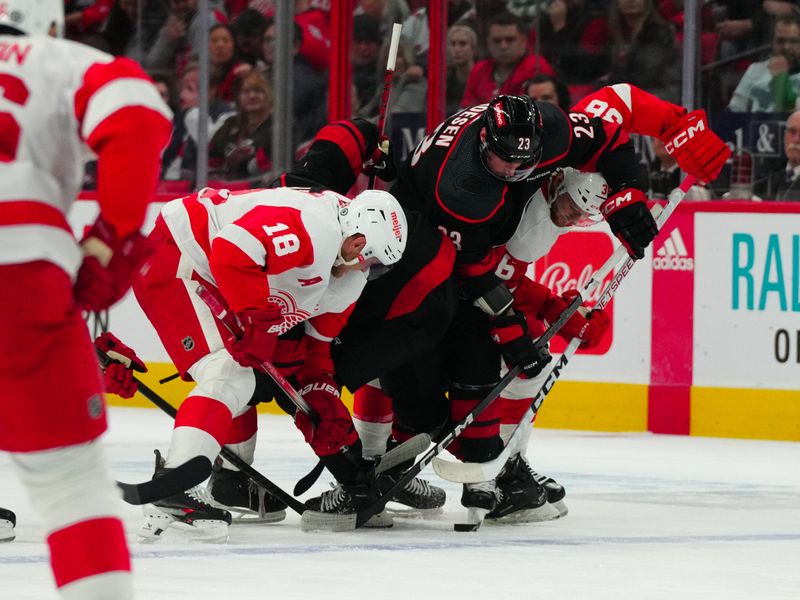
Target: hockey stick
x=388 y=76
x=232 y=324
x=195 y=470
x=475 y=472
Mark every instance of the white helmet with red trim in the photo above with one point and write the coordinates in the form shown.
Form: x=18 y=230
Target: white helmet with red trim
x=577 y=197
x=33 y=17
x=378 y=216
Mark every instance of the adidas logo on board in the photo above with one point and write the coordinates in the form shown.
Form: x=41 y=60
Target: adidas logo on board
x=673 y=256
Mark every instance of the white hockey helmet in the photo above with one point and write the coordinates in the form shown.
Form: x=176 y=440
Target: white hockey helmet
x=376 y=215
x=577 y=198
x=33 y=17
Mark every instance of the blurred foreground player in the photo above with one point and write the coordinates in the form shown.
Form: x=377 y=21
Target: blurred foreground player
x=61 y=102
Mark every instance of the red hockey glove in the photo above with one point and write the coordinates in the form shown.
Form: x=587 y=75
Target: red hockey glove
x=529 y=297
x=627 y=214
x=335 y=429
x=698 y=150
x=118 y=374
x=109 y=265
x=381 y=164
x=260 y=329
x=590 y=328
x=510 y=333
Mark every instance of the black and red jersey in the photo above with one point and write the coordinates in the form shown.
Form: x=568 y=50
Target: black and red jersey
x=446 y=181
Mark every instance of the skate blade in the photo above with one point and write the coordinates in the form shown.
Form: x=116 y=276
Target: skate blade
x=475 y=517
x=158 y=522
x=245 y=516
x=545 y=512
x=561 y=507
x=409 y=512
x=319 y=521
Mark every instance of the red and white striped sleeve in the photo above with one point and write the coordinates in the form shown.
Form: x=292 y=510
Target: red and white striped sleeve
x=124 y=120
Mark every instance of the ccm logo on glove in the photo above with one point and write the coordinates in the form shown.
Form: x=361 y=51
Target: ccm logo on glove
x=617 y=201
x=684 y=136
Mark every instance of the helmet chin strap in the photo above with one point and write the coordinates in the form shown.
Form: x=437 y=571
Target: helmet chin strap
x=341 y=261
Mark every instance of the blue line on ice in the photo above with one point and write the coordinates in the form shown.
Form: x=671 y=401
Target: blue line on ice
x=230 y=550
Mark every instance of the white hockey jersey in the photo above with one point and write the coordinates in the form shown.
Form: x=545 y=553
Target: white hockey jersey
x=61 y=104
x=268 y=246
x=534 y=237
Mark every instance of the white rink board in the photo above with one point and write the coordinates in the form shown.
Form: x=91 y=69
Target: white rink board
x=735 y=335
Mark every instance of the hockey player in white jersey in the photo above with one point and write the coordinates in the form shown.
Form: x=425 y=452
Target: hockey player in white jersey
x=567 y=199
x=277 y=257
x=61 y=103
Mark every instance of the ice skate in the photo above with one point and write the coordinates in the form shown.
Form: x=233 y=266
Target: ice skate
x=479 y=499
x=418 y=497
x=522 y=498
x=335 y=509
x=244 y=498
x=555 y=493
x=192 y=511
x=8 y=521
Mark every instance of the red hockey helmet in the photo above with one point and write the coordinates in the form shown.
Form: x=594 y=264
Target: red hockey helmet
x=514 y=133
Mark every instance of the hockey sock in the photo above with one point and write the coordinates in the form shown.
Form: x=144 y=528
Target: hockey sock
x=242 y=437
x=201 y=427
x=372 y=417
x=75 y=497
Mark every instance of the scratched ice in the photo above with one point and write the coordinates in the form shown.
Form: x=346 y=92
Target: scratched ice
x=651 y=517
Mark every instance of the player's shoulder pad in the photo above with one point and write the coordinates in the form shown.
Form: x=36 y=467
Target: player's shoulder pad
x=557 y=133
x=465 y=189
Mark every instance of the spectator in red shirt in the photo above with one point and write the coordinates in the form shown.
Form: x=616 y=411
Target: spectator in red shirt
x=510 y=64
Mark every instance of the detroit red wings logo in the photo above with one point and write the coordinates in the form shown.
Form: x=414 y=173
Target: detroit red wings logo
x=292 y=315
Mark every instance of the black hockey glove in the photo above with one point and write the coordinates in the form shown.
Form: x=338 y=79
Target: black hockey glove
x=510 y=332
x=631 y=221
x=381 y=164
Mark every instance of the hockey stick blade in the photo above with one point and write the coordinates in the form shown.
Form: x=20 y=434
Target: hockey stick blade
x=226 y=453
x=408 y=450
x=191 y=473
x=619 y=262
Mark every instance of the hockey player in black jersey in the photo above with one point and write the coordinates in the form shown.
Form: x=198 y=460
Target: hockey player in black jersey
x=471 y=178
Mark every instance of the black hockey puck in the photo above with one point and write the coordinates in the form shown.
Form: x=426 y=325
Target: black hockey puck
x=466 y=526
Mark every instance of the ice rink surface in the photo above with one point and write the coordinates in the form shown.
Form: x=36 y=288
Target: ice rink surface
x=651 y=517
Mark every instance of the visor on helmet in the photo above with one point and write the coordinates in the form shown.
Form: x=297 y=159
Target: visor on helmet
x=513 y=132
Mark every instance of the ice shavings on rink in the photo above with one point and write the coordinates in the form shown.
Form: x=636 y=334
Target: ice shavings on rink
x=650 y=517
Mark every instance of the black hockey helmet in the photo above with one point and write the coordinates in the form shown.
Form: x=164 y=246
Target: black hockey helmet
x=514 y=133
